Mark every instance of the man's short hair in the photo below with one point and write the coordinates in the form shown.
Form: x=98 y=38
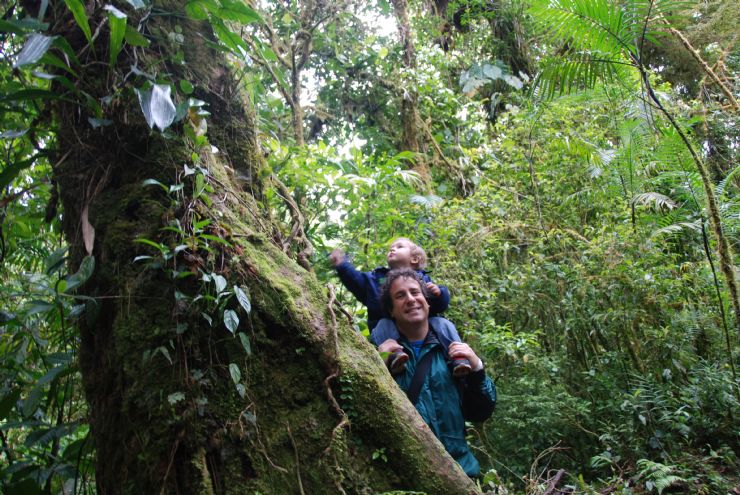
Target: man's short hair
x=386 y=301
x=416 y=251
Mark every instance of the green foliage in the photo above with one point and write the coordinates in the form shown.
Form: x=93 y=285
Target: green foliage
x=571 y=231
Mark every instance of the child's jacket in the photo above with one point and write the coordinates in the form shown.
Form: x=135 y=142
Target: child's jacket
x=366 y=288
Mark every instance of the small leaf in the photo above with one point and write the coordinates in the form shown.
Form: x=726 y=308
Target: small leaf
x=95 y=123
x=35 y=48
x=155 y=182
x=208 y=318
x=198 y=10
x=78 y=11
x=234 y=10
x=245 y=343
x=241 y=390
x=176 y=397
x=55 y=260
x=87 y=266
x=157 y=106
x=220 y=283
x=241 y=296
x=231 y=320
x=13 y=134
x=117 y=22
x=236 y=375
x=186 y=86
x=135 y=38
x=136 y=4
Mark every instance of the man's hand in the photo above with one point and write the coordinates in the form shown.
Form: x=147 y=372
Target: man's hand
x=433 y=289
x=390 y=346
x=336 y=257
x=459 y=350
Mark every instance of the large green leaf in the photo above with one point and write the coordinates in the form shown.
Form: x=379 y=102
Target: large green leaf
x=78 y=11
x=117 y=22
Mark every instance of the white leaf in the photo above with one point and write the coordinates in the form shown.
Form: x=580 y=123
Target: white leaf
x=231 y=320
x=157 y=106
x=35 y=47
x=513 y=81
x=241 y=296
x=492 y=71
x=137 y=4
x=220 y=283
x=117 y=13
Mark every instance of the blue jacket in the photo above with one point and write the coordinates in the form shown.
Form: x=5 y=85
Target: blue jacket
x=366 y=288
x=445 y=403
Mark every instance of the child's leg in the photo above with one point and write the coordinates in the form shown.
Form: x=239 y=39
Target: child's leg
x=445 y=329
x=384 y=330
x=447 y=334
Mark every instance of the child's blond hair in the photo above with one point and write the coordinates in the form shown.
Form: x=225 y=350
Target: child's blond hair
x=416 y=251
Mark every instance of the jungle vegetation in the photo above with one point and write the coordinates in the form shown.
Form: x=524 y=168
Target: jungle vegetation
x=174 y=174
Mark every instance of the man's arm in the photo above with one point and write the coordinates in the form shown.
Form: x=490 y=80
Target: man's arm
x=479 y=392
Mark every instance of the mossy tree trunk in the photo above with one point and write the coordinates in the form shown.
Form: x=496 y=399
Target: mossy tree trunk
x=165 y=412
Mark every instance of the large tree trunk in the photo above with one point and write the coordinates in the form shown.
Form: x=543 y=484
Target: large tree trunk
x=165 y=414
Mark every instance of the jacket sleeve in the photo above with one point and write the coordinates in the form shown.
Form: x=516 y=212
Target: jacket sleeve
x=478 y=396
x=353 y=279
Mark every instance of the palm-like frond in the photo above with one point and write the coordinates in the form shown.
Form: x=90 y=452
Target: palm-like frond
x=577 y=70
x=659 y=202
x=587 y=25
x=601 y=38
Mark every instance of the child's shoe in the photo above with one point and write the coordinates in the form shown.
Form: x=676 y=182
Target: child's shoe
x=460 y=368
x=396 y=362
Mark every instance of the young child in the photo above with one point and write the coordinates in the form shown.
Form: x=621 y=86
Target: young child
x=365 y=286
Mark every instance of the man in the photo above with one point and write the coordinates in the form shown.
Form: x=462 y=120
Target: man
x=443 y=402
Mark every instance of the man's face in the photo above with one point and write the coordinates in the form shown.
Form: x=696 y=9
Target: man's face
x=399 y=255
x=409 y=303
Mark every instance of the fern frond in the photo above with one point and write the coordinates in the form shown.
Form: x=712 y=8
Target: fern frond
x=578 y=71
x=676 y=228
x=658 y=201
x=587 y=25
x=409 y=177
x=429 y=201
x=722 y=186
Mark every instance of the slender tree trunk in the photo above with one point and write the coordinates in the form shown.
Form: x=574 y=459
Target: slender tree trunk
x=160 y=377
x=410 y=139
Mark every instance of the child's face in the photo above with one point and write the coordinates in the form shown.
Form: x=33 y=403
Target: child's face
x=399 y=255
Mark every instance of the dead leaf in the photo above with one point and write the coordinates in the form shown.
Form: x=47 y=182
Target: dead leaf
x=88 y=232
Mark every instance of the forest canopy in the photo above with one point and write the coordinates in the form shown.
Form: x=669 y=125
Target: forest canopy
x=175 y=173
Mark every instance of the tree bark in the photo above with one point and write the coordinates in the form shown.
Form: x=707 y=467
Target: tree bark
x=165 y=414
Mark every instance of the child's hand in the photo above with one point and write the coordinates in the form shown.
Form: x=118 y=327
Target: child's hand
x=336 y=257
x=433 y=289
